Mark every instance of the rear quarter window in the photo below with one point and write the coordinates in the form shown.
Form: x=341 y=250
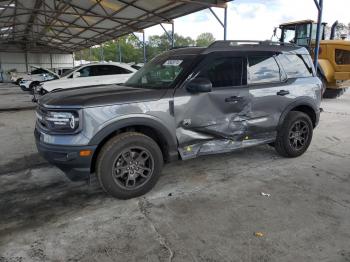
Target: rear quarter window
x=296 y=65
x=263 y=69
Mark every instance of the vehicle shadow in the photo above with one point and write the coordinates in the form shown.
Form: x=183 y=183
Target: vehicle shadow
x=31 y=198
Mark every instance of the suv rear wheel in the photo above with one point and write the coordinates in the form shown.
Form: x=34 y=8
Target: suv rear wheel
x=295 y=135
x=129 y=165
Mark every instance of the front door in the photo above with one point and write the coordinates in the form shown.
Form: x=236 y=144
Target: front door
x=215 y=121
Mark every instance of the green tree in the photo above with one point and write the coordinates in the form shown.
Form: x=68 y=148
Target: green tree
x=132 y=49
x=205 y=39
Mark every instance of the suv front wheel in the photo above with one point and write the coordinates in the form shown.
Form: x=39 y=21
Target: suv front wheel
x=295 y=135
x=129 y=165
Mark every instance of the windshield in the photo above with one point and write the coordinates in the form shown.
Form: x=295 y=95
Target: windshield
x=161 y=72
x=70 y=71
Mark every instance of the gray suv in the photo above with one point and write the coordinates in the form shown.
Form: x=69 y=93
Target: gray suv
x=185 y=103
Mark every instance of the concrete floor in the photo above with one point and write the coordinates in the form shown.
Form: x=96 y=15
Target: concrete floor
x=206 y=209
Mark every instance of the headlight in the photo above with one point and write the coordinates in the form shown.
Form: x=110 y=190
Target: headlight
x=37 y=88
x=61 y=122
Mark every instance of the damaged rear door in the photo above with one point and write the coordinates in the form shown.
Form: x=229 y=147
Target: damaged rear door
x=213 y=121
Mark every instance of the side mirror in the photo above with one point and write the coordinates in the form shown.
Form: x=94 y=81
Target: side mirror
x=76 y=74
x=199 y=85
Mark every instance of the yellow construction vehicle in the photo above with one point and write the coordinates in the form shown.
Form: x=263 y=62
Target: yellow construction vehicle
x=334 y=55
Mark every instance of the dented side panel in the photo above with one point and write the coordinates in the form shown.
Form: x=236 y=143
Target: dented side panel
x=210 y=122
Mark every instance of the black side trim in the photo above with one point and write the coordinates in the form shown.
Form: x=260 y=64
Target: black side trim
x=138 y=121
x=301 y=102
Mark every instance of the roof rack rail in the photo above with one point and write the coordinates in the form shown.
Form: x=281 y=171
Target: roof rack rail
x=232 y=43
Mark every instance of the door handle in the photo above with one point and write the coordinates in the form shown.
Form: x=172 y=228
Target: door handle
x=282 y=93
x=233 y=99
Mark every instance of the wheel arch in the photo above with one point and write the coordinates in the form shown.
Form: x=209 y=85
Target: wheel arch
x=305 y=106
x=149 y=127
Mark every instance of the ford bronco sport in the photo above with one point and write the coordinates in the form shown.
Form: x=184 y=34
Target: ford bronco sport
x=185 y=103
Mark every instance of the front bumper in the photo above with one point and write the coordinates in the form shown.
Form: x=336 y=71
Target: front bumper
x=67 y=158
x=24 y=84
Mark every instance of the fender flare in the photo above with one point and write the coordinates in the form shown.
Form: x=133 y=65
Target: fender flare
x=148 y=121
x=301 y=102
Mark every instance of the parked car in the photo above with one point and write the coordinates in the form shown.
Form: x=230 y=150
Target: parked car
x=36 y=72
x=28 y=82
x=183 y=104
x=60 y=71
x=89 y=75
x=137 y=66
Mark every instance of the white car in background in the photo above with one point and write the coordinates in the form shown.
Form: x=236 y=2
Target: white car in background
x=89 y=75
x=36 y=72
x=28 y=82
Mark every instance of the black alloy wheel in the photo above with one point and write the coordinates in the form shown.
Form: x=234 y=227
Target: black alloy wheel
x=299 y=134
x=133 y=167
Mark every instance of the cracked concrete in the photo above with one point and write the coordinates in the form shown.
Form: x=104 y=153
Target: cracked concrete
x=143 y=205
x=205 y=209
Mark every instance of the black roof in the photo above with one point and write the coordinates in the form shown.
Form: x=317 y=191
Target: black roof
x=256 y=46
x=243 y=46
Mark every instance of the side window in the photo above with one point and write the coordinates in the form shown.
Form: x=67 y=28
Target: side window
x=295 y=66
x=38 y=71
x=342 y=57
x=224 y=72
x=102 y=70
x=119 y=70
x=263 y=69
x=86 y=71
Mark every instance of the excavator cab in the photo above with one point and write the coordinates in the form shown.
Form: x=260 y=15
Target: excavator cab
x=302 y=33
x=334 y=55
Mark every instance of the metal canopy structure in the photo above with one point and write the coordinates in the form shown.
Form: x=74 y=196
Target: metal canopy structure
x=72 y=25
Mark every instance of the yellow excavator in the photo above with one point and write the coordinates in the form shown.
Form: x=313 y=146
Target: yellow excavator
x=334 y=55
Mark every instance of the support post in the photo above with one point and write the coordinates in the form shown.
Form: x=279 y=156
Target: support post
x=90 y=54
x=172 y=34
x=144 y=47
x=26 y=60
x=225 y=23
x=120 y=51
x=101 y=53
x=51 y=61
x=170 y=37
x=319 y=6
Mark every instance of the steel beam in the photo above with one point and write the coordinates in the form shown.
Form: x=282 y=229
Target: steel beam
x=172 y=34
x=319 y=6
x=144 y=47
x=223 y=24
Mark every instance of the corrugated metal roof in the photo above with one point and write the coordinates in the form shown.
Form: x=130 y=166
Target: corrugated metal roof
x=71 y=25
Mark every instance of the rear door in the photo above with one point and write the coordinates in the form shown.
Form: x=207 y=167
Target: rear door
x=273 y=91
x=211 y=122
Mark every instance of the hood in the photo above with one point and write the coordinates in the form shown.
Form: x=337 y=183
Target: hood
x=38 y=76
x=51 y=72
x=99 y=96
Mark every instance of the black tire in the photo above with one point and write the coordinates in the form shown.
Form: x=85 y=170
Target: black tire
x=285 y=143
x=32 y=85
x=333 y=93
x=120 y=160
x=18 y=80
x=23 y=88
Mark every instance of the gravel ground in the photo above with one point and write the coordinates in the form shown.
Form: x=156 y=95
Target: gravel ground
x=206 y=209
